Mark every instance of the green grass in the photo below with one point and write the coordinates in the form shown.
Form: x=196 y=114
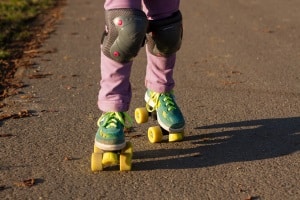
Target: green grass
x=15 y=16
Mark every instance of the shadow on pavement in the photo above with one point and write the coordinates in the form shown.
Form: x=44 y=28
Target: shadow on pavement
x=228 y=143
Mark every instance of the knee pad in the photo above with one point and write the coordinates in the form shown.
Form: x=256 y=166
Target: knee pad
x=164 y=36
x=125 y=33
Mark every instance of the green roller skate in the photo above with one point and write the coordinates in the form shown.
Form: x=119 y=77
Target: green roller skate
x=162 y=106
x=110 y=147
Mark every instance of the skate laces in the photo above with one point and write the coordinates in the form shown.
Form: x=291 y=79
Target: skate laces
x=166 y=99
x=111 y=119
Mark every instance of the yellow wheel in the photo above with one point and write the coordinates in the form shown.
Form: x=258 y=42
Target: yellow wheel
x=126 y=157
x=141 y=115
x=96 y=162
x=109 y=159
x=97 y=150
x=155 y=134
x=175 y=137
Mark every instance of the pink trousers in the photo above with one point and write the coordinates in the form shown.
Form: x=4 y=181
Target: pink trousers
x=115 y=88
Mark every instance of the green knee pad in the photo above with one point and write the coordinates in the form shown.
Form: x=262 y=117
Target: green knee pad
x=125 y=34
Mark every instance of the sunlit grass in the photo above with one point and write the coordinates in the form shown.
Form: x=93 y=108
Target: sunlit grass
x=14 y=18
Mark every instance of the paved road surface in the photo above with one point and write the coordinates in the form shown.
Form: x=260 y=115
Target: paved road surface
x=238 y=84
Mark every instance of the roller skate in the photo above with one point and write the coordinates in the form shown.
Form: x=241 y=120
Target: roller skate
x=163 y=108
x=110 y=147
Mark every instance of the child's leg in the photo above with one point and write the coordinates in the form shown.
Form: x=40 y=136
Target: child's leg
x=115 y=4
x=115 y=92
x=125 y=31
x=157 y=9
x=162 y=45
x=163 y=41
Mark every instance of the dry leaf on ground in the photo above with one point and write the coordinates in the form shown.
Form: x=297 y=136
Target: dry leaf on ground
x=25 y=183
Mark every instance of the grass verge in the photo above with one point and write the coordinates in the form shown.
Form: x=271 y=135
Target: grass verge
x=17 y=28
x=15 y=18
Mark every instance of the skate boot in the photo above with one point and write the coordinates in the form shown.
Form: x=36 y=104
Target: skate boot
x=110 y=147
x=162 y=106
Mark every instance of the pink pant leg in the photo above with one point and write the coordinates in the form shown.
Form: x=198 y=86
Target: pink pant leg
x=115 y=92
x=113 y=4
x=159 y=73
x=159 y=9
x=159 y=76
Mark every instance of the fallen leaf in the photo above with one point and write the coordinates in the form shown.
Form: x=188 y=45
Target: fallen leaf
x=253 y=198
x=6 y=135
x=137 y=136
x=2 y=187
x=24 y=113
x=5 y=116
x=128 y=130
x=51 y=111
x=36 y=76
x=236 y=72
x=27 y=96
x=68 y=158
x=21 y=114
x=35 y=51
x=231 y=82
x=25 y=183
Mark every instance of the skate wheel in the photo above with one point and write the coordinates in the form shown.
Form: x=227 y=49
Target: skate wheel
x=155 y=134
x=109 y=159
x=96 y=162
x=126 y=157
x=97 y=150
x=141 y=115
x=175 y=137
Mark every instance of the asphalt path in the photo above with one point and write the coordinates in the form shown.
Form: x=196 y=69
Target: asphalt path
x=237 y=82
